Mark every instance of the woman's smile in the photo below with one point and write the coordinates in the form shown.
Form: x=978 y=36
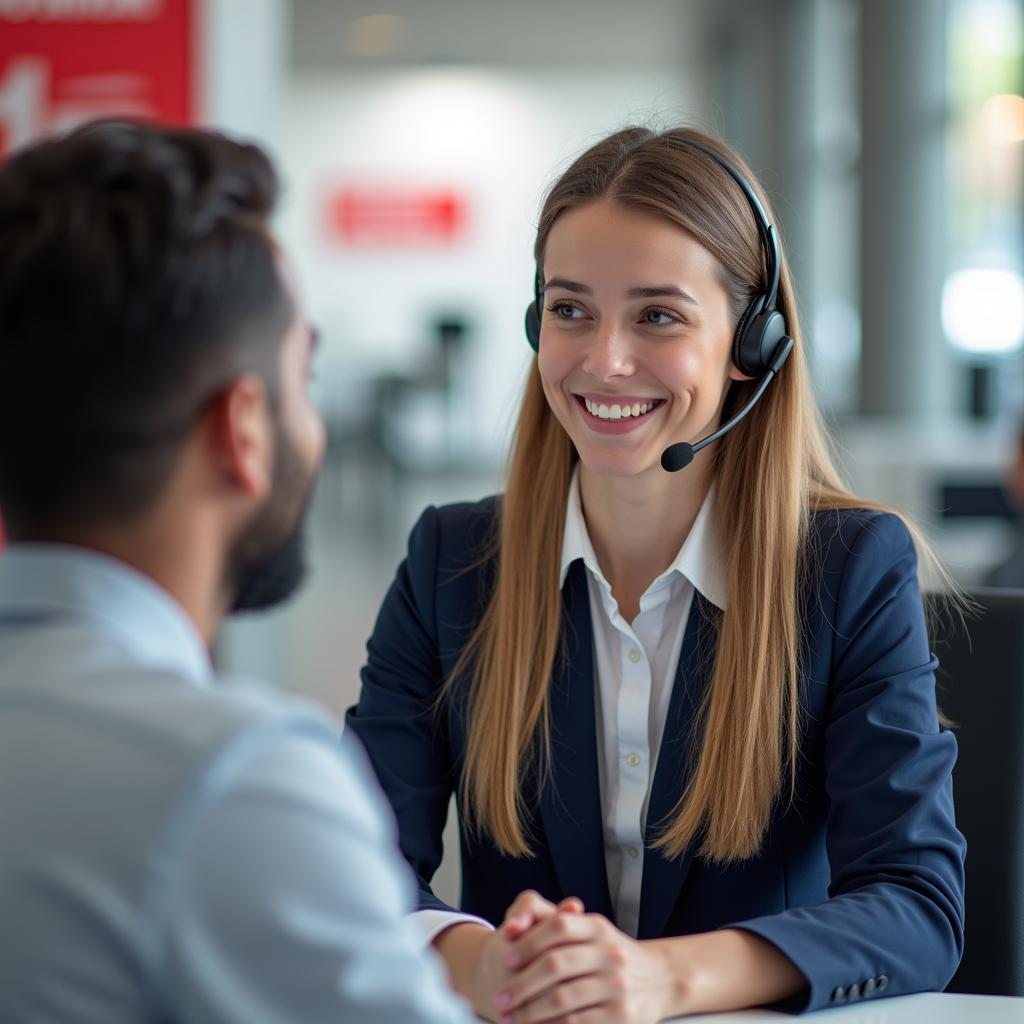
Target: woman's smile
x=608 y=414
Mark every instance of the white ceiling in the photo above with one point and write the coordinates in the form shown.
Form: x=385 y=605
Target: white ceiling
x=552 y=33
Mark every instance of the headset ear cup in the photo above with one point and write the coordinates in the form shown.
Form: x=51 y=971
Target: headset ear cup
x=761 y=337
x=533 y=326
x=743 y=356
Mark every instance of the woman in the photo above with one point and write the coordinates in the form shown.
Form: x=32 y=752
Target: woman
x=698 y=705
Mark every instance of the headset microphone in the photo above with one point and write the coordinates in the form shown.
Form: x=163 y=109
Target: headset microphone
x=679 y=456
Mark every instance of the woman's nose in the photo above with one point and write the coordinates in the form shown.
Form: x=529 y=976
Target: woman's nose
x=609 y=353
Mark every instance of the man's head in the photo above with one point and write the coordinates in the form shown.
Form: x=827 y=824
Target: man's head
x=146 y=316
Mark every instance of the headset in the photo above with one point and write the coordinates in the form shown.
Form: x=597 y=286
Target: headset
x=760 y=345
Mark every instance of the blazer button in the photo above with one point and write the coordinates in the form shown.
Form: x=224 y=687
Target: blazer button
x=853 y=992
x=868 y=987
x=882 y=982
x=839 y=995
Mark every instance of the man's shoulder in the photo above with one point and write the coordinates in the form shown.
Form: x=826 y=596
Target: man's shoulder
x=202 y=719
x=111 y=702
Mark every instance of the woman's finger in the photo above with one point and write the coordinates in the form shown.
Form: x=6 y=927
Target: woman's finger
x=553 y=969
x=571 y=997
x=558 y=930
x=526 y=910
x=571 y=905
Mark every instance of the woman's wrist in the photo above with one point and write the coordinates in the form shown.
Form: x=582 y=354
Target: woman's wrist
x=682 y=967
x=461 y=947
x=729 y=969
x=678 y=974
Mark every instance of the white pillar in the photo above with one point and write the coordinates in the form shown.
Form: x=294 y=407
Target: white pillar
x=906 y=369
x=243 y=67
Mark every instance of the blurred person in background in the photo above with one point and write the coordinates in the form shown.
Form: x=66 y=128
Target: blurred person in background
x=698 y=704
x=174 y=848
x=1010 y=573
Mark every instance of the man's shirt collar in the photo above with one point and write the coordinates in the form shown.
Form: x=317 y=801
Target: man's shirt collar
x=52 y=582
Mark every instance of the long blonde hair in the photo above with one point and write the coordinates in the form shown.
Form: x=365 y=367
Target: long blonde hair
x=773 y=472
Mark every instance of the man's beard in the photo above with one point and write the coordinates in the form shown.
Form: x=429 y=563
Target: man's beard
x=267 y=562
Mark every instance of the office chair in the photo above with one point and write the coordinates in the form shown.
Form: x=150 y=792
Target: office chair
x=981 y=688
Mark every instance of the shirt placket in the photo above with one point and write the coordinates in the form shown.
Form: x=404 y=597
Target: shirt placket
x=633 y=767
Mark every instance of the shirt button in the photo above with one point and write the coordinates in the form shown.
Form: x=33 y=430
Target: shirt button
x=633 y=760
x=634 y=655
x=633 y=852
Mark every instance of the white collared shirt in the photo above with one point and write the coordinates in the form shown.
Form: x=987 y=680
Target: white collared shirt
x=635 y=667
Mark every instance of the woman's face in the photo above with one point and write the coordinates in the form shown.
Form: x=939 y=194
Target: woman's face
x=636 y=336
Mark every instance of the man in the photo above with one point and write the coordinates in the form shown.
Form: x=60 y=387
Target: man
x=173 y=848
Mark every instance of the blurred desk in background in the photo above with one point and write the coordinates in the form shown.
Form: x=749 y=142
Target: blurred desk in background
x=948 y=477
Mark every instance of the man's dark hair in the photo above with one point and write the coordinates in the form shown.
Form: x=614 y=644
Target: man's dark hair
x=137 y=278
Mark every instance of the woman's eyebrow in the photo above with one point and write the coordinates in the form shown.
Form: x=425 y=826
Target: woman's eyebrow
x=650 y=292
x=660 y=290
x=569 y=286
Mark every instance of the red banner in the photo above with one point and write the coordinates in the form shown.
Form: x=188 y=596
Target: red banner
x=395 y=217
x=67 y=61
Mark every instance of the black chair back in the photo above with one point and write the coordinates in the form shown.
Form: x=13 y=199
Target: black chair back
x=981 y=688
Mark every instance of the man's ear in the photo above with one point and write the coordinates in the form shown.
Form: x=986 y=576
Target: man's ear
x=241 y=436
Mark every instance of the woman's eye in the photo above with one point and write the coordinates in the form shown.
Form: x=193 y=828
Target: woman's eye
x=659 y=318
x=565 y=311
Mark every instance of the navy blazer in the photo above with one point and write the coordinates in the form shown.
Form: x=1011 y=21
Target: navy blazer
x=860 y=879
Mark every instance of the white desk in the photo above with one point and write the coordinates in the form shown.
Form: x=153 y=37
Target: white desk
x=929 y=1008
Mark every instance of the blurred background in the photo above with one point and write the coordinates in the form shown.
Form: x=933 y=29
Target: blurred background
x=416 y=139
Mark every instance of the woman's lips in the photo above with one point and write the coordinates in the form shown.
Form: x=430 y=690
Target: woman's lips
x=605 y=415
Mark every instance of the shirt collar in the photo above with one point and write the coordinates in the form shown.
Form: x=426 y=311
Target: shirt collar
x=73 y=582
x=700 y=559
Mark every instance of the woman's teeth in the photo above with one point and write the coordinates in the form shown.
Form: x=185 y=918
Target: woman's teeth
x=618 y=412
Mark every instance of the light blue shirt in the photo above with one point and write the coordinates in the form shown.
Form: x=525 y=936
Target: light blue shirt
x=176 y=850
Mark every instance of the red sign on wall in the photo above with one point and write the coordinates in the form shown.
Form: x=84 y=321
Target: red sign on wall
x=395 y=217
x=67 y=61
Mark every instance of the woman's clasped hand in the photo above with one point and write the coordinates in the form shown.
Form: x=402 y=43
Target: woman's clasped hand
x=561 y=964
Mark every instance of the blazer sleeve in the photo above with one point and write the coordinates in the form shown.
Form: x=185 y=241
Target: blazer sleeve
x=405 y=738
x=894 y=921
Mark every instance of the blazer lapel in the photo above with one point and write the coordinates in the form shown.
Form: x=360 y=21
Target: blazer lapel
x=570 y=803
x=663 y=878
